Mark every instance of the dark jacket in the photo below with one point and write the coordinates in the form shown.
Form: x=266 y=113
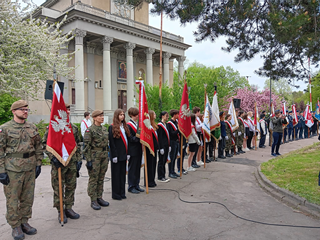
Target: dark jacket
x=135 y=145
x=277 y=124
x=223 y=129
x=173 y=133
x=162 y=136
x=117 y=146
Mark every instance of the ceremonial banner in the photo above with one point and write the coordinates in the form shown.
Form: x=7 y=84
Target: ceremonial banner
x=284 y=112
x=256 y=118
x=215 y=119
x=294 y=115
x=60 y=141
x=272 y=110
x=146 y=138
x=185 y=114
x=317 y=115
x=207 y=119
x=308 y=117
x=234 y=120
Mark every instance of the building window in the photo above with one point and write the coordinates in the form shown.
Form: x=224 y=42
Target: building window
x=73 y=94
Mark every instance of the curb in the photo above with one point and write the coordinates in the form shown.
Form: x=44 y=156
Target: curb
x=286 y=196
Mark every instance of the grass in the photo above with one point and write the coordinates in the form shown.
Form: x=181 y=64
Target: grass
x=297 y=172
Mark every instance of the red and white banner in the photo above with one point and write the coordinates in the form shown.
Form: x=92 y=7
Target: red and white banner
x=60 y=141
x=145 y=127
x=272 y=110
x=185 y=114
x=308 y=117
x=294 y=115
x=256 y=118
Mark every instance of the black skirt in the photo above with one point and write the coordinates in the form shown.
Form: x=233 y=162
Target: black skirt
x=247 y=131
x=192 y=147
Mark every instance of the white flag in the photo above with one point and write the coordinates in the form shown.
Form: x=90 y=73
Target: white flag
x=207 y=119
x=215 y=119
x=234 y=120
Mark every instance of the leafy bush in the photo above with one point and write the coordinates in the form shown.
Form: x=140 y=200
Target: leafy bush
x=6 y=101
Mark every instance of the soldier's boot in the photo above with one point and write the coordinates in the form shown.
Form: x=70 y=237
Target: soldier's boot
x=27 y=229
x=65 y=219
x=232 y=152
x=240 y=150
x=227 y=154
x=72 y=214
x=238 y=153
x=102 y=202
x=95 y=205
x=17 y=233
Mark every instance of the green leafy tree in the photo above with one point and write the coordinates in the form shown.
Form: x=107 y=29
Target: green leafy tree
x=6 y=101
x=283 y=33
x=281 y=88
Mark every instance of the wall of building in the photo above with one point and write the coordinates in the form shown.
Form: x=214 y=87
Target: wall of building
x=102 y=4
x=63 y=4
x=142 y=15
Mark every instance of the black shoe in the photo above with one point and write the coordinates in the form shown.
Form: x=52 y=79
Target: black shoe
x=152 y=185
x=65 y=219
x=95 y=205
x=71 y=214
x=102 y=202
x=17 y=233
x=195 y=166
x=133 y=190
x=139 y=189
x=118 y=198
x=171 y=175
x=123 y=197
x=177 y=175
x=27 y=229
x=208 y=161
x=278 y=154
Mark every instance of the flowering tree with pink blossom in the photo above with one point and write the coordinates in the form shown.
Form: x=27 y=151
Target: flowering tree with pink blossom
x=250 y=96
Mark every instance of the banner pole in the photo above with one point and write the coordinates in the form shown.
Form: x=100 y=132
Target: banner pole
x=61 y=199
x=181 y=155
x=145 y=168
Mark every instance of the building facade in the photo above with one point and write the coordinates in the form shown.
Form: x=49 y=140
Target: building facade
x=113 y=46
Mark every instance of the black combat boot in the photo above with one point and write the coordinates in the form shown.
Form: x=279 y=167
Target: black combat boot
x=240 y=150
x=17 y=233
x=65 y=219
x=102 y=202
x=27 y=229
x=228 y=155
x=72 y=214
x=232 y=152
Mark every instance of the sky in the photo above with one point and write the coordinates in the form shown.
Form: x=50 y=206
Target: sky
x=207 y=52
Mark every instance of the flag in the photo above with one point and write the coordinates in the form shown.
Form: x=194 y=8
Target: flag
x=272 y=110
x=185 y=114
x=207 y=119
x=308 y=117
x=234 y=120
x=146 y=137
x=60 y=141
x=215 y=119
x=295 y=117
x=256 y=117
x=284 y=112
x=317 y=115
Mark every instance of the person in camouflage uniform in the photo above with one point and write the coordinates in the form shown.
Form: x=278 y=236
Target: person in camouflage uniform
x=20 y=164
x=240 y=133
x=229 y=144
x=96 y=153
x=69 y=175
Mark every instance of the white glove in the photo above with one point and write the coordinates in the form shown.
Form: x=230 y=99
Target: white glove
x=245 y=135
x=234 y=134
x=128 y=157
x=239 y=133
x=169 y=149
x=220 y=137
x=227 y=138
x=201 y=143
x=161 y=151
x=115 y=160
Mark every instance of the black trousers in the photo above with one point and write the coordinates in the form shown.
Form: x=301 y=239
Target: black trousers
x=276 y=142
x=262 y=140
x=249 y=140
x=211 y=144
x=179 y=159
x=194 y=159
x=173 y=155
x=134 y=169
x=118 y=179
x=221 y=146
x=162 y=163
x=205 y=151
x=151 y=168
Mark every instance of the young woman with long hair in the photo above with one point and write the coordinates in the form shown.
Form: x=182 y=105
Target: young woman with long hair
x=193 y=142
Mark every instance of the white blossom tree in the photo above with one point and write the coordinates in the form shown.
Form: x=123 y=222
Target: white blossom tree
x=29 y=49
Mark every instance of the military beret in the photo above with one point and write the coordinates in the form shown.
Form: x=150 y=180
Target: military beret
x=19 y=104
x=221 y=113
x=290 y=111
x=96 y=113
x=277 y=112
x=287 y=111
x=67 y=105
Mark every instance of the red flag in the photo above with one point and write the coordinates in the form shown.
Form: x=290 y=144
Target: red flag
x=60 y=142
x=272 y=110
x=295 y=117
x=185 y=114
x=308 y=117
x=146 y=138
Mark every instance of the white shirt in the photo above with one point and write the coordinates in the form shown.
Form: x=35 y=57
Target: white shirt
x=83 y=126
x=198 y=124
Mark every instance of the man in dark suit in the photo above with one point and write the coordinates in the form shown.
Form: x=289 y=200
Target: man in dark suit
x=173 y=130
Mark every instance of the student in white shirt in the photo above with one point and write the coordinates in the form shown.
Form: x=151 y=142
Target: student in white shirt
x=85 y=123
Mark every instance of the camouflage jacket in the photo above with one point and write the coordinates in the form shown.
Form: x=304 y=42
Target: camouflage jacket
x=16 y=138
x=241 y=127
x=77 y=155
x=96 y=142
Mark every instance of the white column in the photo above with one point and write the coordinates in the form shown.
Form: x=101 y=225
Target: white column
x=79 y=71
x=66 y=94
x=130 y=75
x=149 y=52
x=166 y=57
x=106 y=78
x=91 y=75
x=181 y=59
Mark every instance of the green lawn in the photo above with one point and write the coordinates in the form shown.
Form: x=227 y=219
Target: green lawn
x=297 y=171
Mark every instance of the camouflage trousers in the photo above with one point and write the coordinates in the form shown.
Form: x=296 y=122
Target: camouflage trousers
x=96 y=178
x=239 y=140
x=19 y=194
x=229 y=144
x=69 y=183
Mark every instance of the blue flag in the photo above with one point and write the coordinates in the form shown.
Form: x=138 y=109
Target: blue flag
x=317 y=115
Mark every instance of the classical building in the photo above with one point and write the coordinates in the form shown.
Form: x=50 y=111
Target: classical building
x=112 y=44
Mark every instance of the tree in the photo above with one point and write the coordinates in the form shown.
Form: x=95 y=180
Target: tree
x=29 y=50
x=283 y=33
x=6 y=101
x=280 y=88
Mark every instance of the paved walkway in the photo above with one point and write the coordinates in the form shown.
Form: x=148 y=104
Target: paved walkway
x=160 y=214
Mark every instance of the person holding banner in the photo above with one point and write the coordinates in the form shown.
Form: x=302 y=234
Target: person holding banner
x=240 y=133
x=96 y=153
x=20 y=164
x=68 y=175
x=135 y=152
x=290 y=127
x=164 y=146
x=196 y=111
x=222 y=139
x=263 y=131
x=174 y=134
x=277 y=122
x=119 y=150
x=193 y=141
x=229 y=137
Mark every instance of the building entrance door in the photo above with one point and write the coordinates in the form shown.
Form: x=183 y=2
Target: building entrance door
x=122 y=99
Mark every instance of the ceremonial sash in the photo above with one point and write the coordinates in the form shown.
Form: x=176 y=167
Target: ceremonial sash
x=132 y=125
x=241 y=120
x=233 y=142
x=192 y=126
x=245 y=122
x=198 y=121
x=166 y=131
x=175 y=128
x=155 y=134
x=124 y=139
x=85 y=123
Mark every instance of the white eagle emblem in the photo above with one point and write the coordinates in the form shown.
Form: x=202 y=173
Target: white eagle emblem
x=61 y=123
x=185 y=111
x=147 y=122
